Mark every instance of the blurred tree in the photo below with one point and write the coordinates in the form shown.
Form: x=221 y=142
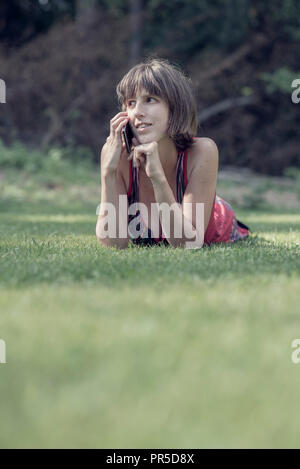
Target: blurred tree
x=117 y=8
x=240 y=54
x=135 y=17
x=280 y=16
x=131 y=10
x=189 y=26
x=23 y=20
x=185 y=26
x=280 y=80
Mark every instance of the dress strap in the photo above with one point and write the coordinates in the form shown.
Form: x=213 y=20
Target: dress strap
x=130 y=180
x=185 y=169
x=181 y=175
x=133 y=190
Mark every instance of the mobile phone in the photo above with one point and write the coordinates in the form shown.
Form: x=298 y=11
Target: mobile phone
x=128 y=136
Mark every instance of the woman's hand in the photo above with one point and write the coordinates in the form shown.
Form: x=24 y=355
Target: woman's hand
x=114 y=146
x=146 y=156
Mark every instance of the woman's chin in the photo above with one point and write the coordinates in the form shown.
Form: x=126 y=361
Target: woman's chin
x=145 y=139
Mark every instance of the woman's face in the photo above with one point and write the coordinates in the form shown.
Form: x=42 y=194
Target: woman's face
x=148 y=109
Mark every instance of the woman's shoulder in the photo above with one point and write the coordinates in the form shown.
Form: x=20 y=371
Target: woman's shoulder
x=203 y=145
x=203 y=154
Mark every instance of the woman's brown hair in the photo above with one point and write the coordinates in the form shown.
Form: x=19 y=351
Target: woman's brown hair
x=161 y=78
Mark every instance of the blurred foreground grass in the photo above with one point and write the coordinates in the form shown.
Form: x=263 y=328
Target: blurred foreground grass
x=157 y=348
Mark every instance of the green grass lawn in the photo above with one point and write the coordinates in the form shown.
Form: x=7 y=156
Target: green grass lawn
x=145 y=348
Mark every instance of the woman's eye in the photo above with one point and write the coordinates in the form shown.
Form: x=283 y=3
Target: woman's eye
x=149 y=97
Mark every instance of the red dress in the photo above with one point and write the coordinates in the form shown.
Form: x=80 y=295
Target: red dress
x=223 y=227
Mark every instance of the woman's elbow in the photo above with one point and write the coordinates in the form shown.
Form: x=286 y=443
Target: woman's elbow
x=112 y=243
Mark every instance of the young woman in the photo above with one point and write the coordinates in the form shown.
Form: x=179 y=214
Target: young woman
x=167 y=165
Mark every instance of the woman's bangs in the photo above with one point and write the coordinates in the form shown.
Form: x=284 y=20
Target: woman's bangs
x=140 y=80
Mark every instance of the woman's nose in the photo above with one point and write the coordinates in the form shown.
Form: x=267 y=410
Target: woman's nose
x=139 y=109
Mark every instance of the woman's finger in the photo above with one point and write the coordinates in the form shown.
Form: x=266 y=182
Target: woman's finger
x=121 y=125
x=115 y=121
x=141 y=160
x=130 y=157
x=136 y=162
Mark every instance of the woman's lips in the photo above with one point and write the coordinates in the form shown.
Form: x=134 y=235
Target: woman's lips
x=143 y=129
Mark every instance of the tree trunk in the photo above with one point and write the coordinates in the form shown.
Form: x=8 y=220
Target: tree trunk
x=135 y=21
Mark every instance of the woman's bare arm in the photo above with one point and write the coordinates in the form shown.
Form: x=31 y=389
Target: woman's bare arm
x=112 y=224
